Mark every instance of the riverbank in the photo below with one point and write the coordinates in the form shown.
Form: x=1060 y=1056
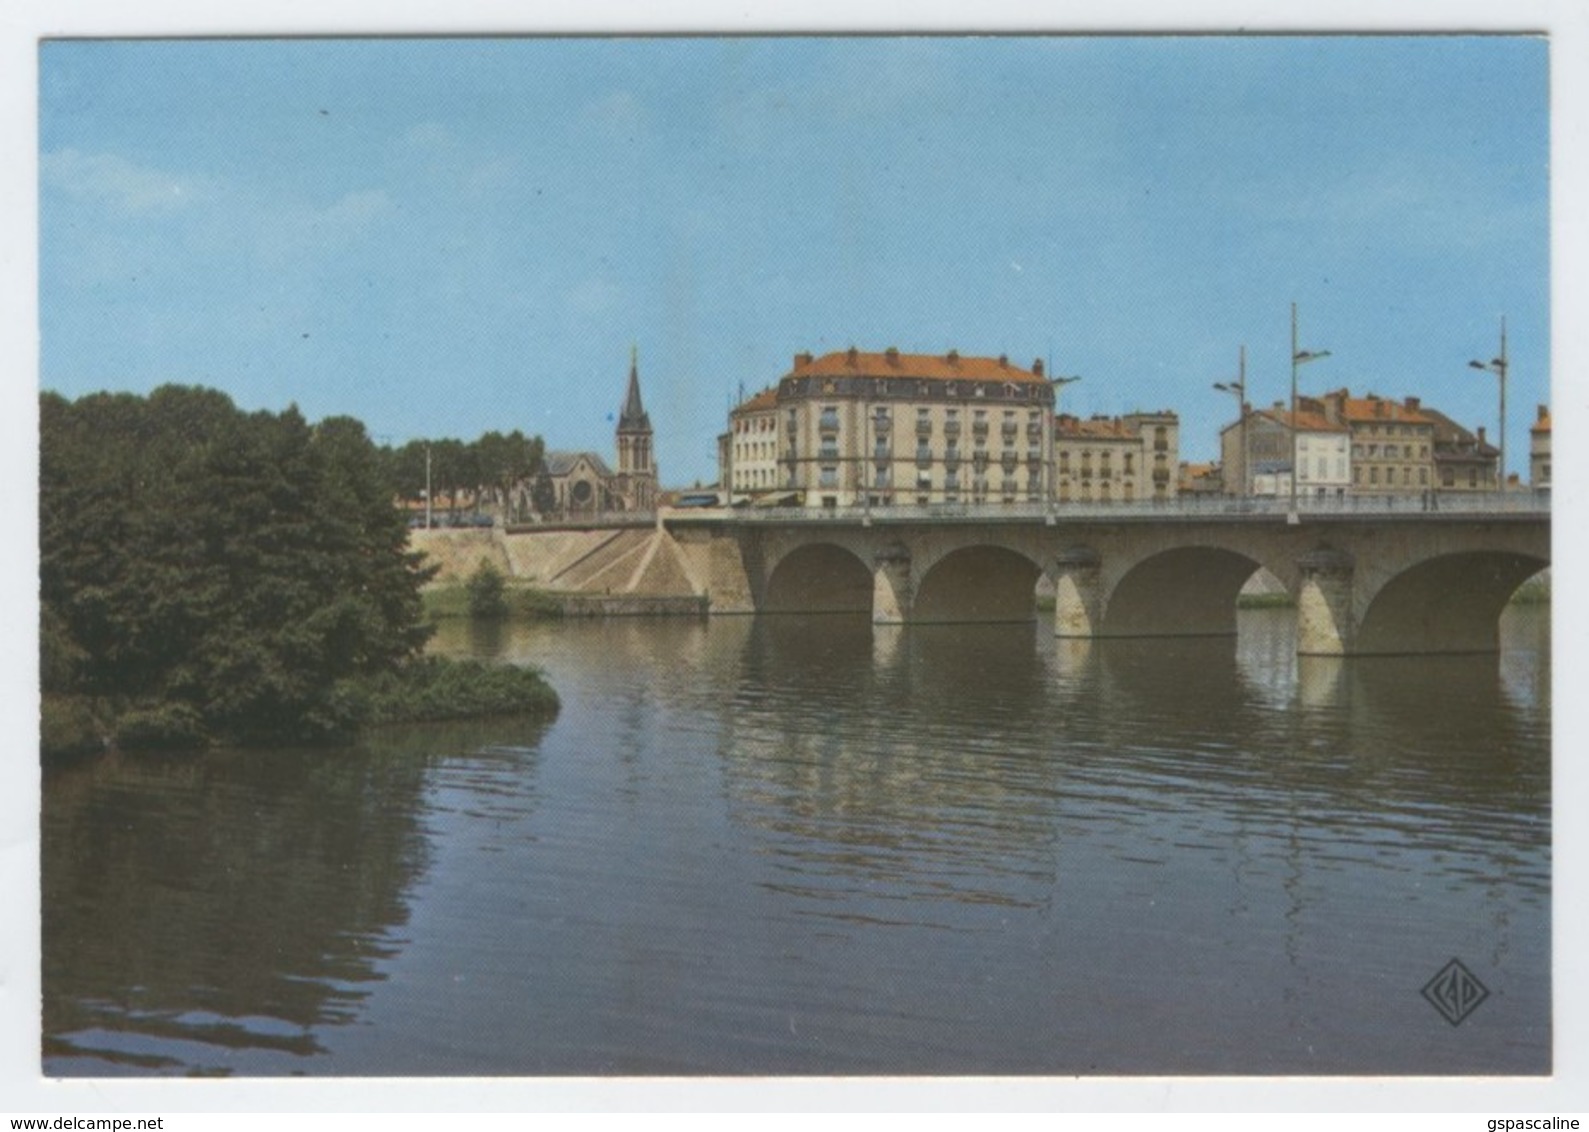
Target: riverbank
x=427 y=689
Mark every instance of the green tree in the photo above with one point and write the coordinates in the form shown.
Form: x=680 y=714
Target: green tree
x=487 y=593
x=216 y=572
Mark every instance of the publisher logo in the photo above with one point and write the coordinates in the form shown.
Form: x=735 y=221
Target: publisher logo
x=1455 y=992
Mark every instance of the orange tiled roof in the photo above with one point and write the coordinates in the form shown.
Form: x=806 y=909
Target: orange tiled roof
x=1306 y=421
x=1099 y=428
x=1380 y=409
x=933 y=367
x=766 y=399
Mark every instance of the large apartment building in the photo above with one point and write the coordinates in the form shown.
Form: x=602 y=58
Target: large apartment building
x=852 y=428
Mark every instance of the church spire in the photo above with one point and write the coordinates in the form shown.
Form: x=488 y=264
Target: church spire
x=634 y=416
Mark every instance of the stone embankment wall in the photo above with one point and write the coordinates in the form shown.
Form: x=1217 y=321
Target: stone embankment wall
x=602 y=572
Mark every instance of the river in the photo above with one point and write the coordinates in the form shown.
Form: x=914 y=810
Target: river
x=794 y=845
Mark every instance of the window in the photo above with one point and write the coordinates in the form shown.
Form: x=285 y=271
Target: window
x=1423 y=476
x=829 y=421
x=1373 y=475
x=829 y=477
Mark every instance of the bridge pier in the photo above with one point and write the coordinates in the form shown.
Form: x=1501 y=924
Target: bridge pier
x=1326 y=623
x=893 y=591
x=1078 y=592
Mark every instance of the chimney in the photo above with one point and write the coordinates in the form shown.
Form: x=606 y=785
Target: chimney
x=1413 y=403
x=1481 y=436
x=1544 y=413
x=853 y=355
x=1004 y=360
x=954 y=357
x=802 y=360
x=1379 y=407
x=892 y=354
x=1037 y=367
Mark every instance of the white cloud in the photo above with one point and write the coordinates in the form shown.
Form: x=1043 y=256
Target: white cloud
x=108 y=179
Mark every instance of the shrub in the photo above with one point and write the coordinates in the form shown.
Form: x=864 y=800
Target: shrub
x=436 y=688
x=486 y=596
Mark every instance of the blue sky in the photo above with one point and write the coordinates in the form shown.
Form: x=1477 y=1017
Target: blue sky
x=444 y=237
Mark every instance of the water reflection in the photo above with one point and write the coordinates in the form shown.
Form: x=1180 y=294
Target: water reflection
x=814 y=845
x=205 y=914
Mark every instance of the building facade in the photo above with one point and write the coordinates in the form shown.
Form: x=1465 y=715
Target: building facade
x=1463 y=461
x=1539 y=451
x=748 y=466
x=1116 y=459
x=582 y=483
x=1392 y=441
x=1261 y=452
x=857 y=429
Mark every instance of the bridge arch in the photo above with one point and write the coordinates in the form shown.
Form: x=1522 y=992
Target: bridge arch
x=981 y=582
x=818 y=577
x=1448 y=603
x=1186 y=591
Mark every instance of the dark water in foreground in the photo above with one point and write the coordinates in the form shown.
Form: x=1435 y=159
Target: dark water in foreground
x=793 y=845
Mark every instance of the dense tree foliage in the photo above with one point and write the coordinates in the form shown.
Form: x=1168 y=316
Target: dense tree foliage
x=211 y=573
x=496 y=470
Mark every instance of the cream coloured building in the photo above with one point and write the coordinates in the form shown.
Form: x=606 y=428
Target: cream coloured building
x=1117 y=459
x=855 y=428
x=750 y=457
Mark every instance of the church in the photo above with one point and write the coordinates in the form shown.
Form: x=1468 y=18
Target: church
x=584 y=484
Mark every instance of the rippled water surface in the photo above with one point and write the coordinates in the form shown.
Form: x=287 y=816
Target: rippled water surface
x=802 y=845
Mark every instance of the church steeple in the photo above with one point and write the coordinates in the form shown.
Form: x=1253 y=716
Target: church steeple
x=637 y=469
x=634 y=417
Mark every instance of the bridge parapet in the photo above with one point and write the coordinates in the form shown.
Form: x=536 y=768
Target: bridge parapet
x=1415 y=507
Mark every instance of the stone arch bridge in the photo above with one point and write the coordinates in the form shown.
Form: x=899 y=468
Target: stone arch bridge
x=1374 y=578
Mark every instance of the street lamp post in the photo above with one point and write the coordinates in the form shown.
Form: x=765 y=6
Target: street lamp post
x=1497 y=366
x=1052 y=442
x=428 y=494
x=1299 y=357
x=1239 y=389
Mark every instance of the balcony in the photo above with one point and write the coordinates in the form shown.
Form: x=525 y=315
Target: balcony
x=923 y=458
x=980 y=430
x=951 y=428
x=1034 y=430
x=882 y=425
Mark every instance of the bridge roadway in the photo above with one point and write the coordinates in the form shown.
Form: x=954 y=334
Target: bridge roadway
x=1368 y=574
